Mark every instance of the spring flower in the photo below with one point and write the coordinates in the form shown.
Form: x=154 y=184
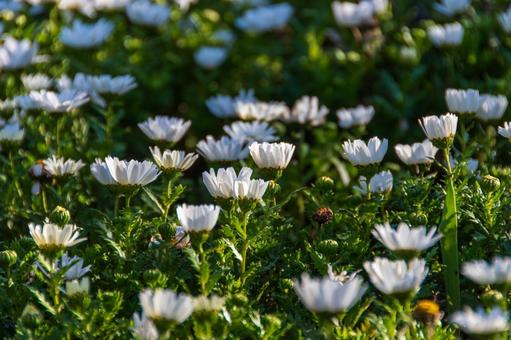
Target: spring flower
x=342 y=277
x=76 y=269
x=349 y=14
x=272 y=155
x=35 y=82
x=64 y=101
x=83 y=36
x=86 y=7
x=481 y=323
x=12 y=133
x=307 y=111
x=225 y=106
x=210 y=57
x=427 y=312
x=359 y=153
x=251 y=132
x=107 y=84
x=100 y=171
x=143 y=12
x=405 y=240
x=261 y=110
x=265 y=18
x=82 y=83
x=198 y=218
x=505 y=131
x=462 y=101
x=12 y=6
x=491 y=107
x=165 y=305
x=417 y=153
x=165 y=129
x=173 y=160
x=451 y=7
x=59 y=167
x=381 y=183
x=51 y=237
x=225 y=36
x=497 y=272
x=505 y=20
x=357 y=116
x=214 y=303
x=130 y=173
x=110 y=5
x=16 y=54
x=446 y=35
x=76 y=287
x=227 y=184
x=396 y=277
x=324 y=295
x=144 y=328
x=439 y=127
x=224 y=149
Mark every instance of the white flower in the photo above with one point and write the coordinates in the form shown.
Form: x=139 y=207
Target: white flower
x=359 y=153
x=225 y=36
x=396 y=277
x=16 y=54
x=360 y=115
x=24 y=102
x=226 y=184
x=212 y=304
x=82 y=35
x=261 y=110
x=51 y=236
x=505 y=20
x=446 y=35
x=462 y=101
x=417 y=153
x=225 y=106
x=173 y=160
x=86 y=7
x=251 y=132
x=272 y=155
x=405 y=239
x=165 y=304
x=107 y=84
x=145 y=13
x=198 y=218
x=78 y=286
x=144 y=329
x=381 y=183
x=265 y=18
x=100 y=171
x=59 y=167
x=129 y=173
x=451 y=7
x=224 y=149
x=324 y=295
x=13 y=6
x=497 y=272
x=185 y=4
x=505 y=131
x=35 y=82
x=64 y=101
x=349 y=14
x=210 y=57
x=307 y=111
x=110 y=5
x=491 y=107
x=167 y=129
x=12 y=132
x=439 y=127
x=480 y=322
x=76 y=269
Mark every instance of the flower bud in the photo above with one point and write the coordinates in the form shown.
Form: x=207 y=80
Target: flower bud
x=328 y=247
x=490 y=183
x=287 y=284
x=60 y=216
x=325 y=183
x=323 y=215
x=8 y=258
x=492 y=297
x=273 y=321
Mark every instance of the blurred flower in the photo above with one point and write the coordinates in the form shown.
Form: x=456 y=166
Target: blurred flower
x=491 y=107
x=307 y=111
x=250 y=3
x=86 y=7
x=272 y=155
x=100 y=171
x=481 y=323
x=59 y=167
x=25 y=103
x=251 y=132
x=165 y=129
x=75 y=271
x=342 y=277
x=35 y=82
x=446 y=35
x=381 y=183
x=110 y=5
x=324 y=295
x=439 y=127
x=127 y=173
x=227 y=184
x=214 y=303
x=267 y=111
x=224 y=149
x=181 y=239
x=451 y=7
x=505 y=20
x=81 y=82
x=462 y=101
x=143 y=12
x=10 y=6
x=505 y=131
x=349 y=14
x=406 y=240
x=82 y=35
x=427 y=311
x=16 y=54
x=417 y=153
x=185 y=4
x=173 y=160
x=356 y=116
x=396 y=277
x=224 y=106
x=165 y=305
x=497 y=272
x=225 y=36
x=359 y=153
x=75 y=287
x=12 y=133
x=265 y=18
x=323 y=215
x=198 y=218
x=210 y=57
x=64 y=101
x=107 y=84
x=144 y=329
x=52 y=237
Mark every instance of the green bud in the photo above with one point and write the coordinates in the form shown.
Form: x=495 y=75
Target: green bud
x=490 y=183
x=155 y=278
x=8 y=258
x=287 y=283
x=325 y=183
x=60 y=216
x=328 y=247
x=240 y=299
x=272 y=321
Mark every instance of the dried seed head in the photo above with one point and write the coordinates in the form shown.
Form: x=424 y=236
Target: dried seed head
x=323 y=215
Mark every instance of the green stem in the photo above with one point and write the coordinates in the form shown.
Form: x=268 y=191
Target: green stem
x=449 y=242
x=244 y=247
x=44 y=199
x=116 y=205
x=15 y=176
